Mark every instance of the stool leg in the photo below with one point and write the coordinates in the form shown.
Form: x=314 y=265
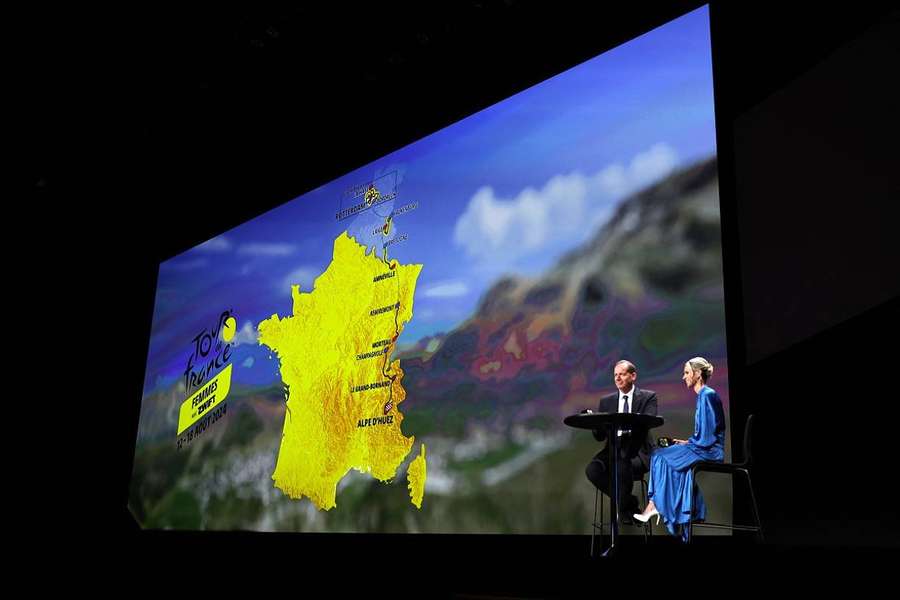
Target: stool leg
x=759 y=531
x=601 y=517
x=594 y=522
x=690 y=524
x=644 y=499
x=648 y=527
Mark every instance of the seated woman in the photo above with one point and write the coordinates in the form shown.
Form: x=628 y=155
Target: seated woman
x=671 y=479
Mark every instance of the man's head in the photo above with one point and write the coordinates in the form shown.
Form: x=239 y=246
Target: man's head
x=624 y=375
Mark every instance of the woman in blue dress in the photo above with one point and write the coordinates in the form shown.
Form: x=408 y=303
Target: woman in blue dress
x=671 y=479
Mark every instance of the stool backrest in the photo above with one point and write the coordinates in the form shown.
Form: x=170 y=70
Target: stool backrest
x=748 y=457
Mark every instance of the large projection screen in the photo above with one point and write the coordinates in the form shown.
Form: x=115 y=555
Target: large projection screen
x=395 y=351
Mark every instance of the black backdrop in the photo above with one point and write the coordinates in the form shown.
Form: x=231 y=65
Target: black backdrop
x=159 y=128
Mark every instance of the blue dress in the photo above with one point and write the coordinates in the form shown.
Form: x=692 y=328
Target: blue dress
x=670 y=468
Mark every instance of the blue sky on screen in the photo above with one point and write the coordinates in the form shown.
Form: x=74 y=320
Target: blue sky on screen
x=509 y=189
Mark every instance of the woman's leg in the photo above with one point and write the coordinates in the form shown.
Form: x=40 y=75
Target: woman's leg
x=659 y=489
x=657 y=463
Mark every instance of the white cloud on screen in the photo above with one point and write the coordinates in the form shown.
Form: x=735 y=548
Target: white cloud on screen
x=499 y=231
x=304 y=277
x=246 y=335
x=447 y=289
x=266 y=249
x=647 y=167
x=217 y=244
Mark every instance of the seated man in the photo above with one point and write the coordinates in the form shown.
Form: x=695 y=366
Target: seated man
x=634 y=446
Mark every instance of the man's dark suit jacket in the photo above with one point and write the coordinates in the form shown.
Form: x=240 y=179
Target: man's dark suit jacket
x=638 y=443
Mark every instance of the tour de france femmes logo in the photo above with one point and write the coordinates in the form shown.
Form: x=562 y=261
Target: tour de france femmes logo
x=207 y=375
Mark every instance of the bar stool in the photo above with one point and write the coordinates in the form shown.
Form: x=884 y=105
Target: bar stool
x=731 y=469
x=648 y=529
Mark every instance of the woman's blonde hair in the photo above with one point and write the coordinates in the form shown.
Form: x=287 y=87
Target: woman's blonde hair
x=698 y=363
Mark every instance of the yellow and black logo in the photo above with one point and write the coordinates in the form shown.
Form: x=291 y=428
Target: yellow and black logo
x=372 y=194
x=207 y=377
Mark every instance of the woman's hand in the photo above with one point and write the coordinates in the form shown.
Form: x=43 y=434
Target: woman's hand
x=677 y=441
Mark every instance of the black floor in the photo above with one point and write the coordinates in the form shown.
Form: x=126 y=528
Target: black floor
x=453 y=566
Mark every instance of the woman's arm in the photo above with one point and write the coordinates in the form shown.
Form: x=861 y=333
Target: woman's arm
x=705 y=422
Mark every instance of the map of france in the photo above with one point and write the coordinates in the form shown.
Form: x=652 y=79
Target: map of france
x=343 y=393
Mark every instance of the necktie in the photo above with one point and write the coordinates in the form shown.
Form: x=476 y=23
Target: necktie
x=624 y=410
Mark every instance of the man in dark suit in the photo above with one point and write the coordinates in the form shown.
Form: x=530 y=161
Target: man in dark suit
x=634 y=446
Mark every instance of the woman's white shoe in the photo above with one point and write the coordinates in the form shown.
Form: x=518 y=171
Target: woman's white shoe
x=644 y=519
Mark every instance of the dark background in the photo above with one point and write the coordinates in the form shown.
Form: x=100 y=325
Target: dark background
x=158 y=128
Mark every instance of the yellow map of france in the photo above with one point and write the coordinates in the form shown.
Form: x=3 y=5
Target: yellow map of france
x=343 y=394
